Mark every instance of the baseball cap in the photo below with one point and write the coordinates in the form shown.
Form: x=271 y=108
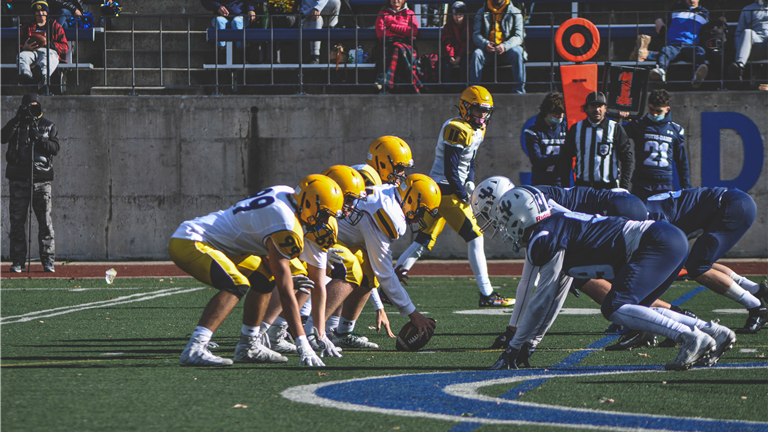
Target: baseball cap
x=458 y=7
x=596 y=97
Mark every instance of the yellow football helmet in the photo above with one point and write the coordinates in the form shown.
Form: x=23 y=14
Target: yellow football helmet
x=390 y=156
x=419 y=194
x=318 y=198
x=476 y=97
x=352 y=185
x=370 y=176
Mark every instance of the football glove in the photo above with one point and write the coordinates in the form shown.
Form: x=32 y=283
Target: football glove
x=307 y=356
x=506 y=359
x=469 y=187
x=334 y=256
x=327 y=348
x=503 y=339
x=303 y=283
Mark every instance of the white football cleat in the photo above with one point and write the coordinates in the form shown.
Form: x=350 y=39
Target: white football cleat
x=249 y=349
x=724 y=338
x=351 y=340
x=278 y=342
x=695 y=345
x=196 y=354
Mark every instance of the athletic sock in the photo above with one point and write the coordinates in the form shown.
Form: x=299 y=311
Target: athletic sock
x=202 y=334
x=476 y=255
x=742 y=296
x=306 y=308
x=644 y=318
x=345 y=326
x=280 y=321
x=264 y=327
x=745 y=283
x=309 y=325
x=410 y=256
x=677 y=316
x=250 y=330
x=331 y=323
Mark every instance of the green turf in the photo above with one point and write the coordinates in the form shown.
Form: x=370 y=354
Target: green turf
x=116 y=368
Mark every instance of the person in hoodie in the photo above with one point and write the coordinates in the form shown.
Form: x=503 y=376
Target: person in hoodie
x=659 y=146
x=751 y=37
x=498 y=35
x=683 y=26
x=34 y=55
x=396 y=28
x=544 y=139
x=455 y=35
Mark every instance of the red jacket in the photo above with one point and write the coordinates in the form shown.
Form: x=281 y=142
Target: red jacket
x=455 y=37
x=58 y=40
x=402 y=24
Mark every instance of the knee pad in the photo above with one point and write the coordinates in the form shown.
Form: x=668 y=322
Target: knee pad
x=238 y=290
x=608 y=308
x=260 y=283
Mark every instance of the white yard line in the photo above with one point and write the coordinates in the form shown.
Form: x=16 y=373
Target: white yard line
x=95 y=305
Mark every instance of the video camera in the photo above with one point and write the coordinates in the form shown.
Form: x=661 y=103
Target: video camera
x=30 y=111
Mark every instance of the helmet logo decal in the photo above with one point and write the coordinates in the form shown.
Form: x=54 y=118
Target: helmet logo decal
x=486 y=193
x=505 y=206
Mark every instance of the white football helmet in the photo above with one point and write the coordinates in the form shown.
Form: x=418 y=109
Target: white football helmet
x=519 y=209
x=486 y=197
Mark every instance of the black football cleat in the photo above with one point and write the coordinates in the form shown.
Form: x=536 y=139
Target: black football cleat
x=762 y=293
x=667 y=343
x=633 y=339
x=503 y=339
x=680 y=310
x=757 y=318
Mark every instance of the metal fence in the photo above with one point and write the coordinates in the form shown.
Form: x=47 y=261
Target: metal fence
x=138 y=51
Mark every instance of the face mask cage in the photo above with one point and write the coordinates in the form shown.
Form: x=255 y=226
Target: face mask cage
x=394 y=176
x=479 y=121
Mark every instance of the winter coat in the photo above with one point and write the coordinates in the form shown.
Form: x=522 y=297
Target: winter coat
x=400 y=24
x=455 y=37
x=511 y=27
x=58 y=40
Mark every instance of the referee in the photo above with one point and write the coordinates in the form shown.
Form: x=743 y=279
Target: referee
x=601 y=147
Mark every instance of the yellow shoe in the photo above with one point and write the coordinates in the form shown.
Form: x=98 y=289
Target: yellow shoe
x=495 y=300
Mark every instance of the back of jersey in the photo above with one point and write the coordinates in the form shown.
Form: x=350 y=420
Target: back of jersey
x=688 y=209
x=243 y=228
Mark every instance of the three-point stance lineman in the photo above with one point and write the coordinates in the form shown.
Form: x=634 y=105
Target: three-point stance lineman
x=642 y=259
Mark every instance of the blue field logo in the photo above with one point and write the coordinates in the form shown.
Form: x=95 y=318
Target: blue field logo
x=454 y=397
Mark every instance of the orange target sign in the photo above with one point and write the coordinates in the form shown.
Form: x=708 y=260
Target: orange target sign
x=577 y=40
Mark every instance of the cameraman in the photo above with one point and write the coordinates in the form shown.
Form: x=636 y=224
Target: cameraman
x=31 y=137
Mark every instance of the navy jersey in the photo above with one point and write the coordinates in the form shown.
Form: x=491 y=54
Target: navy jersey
x=688 y=209
x=543 y=142
x=659 y=146
x=582 y=199
x=595 y=245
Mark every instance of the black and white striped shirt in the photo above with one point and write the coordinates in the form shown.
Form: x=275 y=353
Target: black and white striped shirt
x=603 y=154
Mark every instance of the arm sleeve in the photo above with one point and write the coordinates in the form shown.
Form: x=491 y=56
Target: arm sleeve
x=376 y=300
x=380 y=255
x=681 y=161
x=451 y=157
x=380 y=25
x=448 y=49
x=515 y=39
x=59 y=39
x=538 y=160
x=567 y=152
x=625 y=156
x=477 y=37
x=471 y=173
x=524 y=292
x=741 y=26
x=7 y=132
x=545 y=304
x=51 y=144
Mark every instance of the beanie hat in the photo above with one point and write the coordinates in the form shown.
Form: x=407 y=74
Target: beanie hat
x=40 y=5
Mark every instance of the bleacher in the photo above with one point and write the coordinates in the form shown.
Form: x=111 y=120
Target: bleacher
x=161 y=51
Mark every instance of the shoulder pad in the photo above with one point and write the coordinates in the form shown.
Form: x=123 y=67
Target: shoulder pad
x=458 y=133
x=325 y=238
x=385 y=223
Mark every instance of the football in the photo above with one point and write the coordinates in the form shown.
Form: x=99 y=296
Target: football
x=38 y=38
x=408 y=338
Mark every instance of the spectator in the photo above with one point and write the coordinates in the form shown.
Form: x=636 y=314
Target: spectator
x=315 y=13
x=29 y=135
x=231 y=15
x=498 y=35
x=544 y=139
x=601 y=148
x=63 y=10
x=684 y=24
x=36 y=59
x=751 y=37
x=455 y=35
x=396 y=28
x=659 y=146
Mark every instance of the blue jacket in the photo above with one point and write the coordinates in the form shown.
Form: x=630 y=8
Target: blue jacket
x=658 y=147
x=684 y=24
x=240 y=7
x=543 y=143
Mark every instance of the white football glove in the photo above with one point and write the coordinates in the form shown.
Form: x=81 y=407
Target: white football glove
x=469 y=187
x=334 y=256
x=307 y=356
x=327 y=348
x=303 y=283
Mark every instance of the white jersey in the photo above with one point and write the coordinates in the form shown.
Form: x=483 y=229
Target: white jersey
x=456 y=133
x=244 y=228
x=383 y=221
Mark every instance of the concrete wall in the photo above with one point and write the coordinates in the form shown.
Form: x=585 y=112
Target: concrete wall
x=131 y=169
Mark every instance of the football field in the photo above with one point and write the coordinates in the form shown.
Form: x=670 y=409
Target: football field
x=82 y=355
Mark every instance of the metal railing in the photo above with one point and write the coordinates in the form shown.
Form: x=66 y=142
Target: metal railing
x=180 y=51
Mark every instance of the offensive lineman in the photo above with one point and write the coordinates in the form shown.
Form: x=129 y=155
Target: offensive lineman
x=454 y=172
x=238 y=251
